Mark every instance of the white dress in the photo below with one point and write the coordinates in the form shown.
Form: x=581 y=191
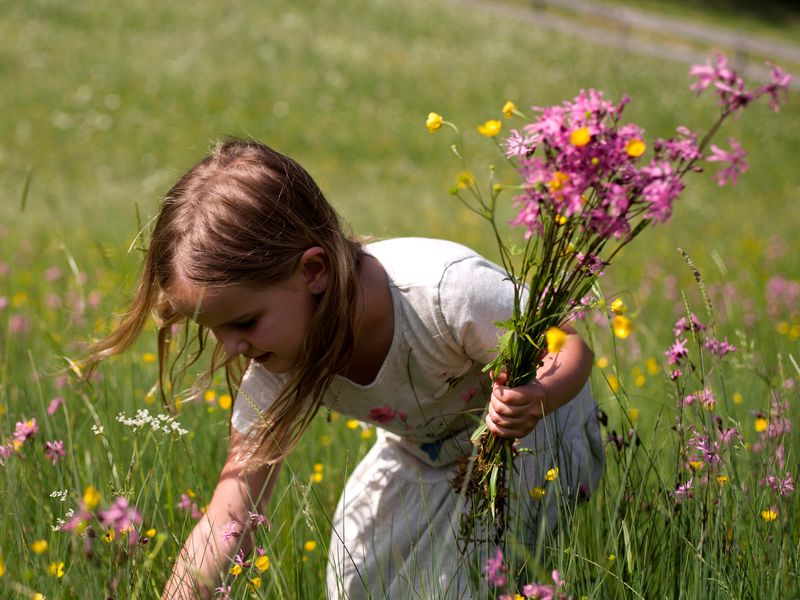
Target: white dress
x=395 y=528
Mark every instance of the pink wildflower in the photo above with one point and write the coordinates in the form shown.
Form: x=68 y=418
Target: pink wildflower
x=778 y=86
x=677 y=352
x=782 y=487
x=735 y=157
x=54 y=450
x=683 y=492
x=25 y=430
x=496 y=570
x=222 y=592
x=518 y=145
x=718 y=348
x=19 y=324
x=232 y=529
x=54 y=404
x=256 y=520
x=122 y=518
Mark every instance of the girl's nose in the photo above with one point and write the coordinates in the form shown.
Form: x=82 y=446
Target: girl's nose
x=232 y=343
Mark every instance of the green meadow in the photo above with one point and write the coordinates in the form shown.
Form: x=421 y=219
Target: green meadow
x=106 y=104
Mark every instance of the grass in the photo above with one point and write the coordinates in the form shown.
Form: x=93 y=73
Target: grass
x=109 y=104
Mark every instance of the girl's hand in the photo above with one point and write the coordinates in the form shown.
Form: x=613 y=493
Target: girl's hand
x=514 y=412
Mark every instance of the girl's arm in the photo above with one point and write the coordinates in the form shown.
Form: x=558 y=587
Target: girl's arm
x=206 y=553
x=514 y=412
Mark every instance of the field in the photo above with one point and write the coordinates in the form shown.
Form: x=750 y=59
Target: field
x=106 y=104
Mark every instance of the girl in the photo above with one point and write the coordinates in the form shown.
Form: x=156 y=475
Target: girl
x=394 y=333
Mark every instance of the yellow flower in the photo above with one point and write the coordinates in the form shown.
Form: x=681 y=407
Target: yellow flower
x=2 y=567
x=508 y=109
x=695 y=465
x=621 y=326
x=652 y=366
x=618 y=306
x=635 y=148
x=40 y=546
x=38 y=596
x=108 y=536
x=613 y=383
x=601 y=362
x=551 y=474
x=737 y=398
x=91 y=497
x=57 y=569
x=537 y=493
x=256 y=582
x=761 y=424
x=235 y=570
x=225 y=401
x=150 y=533
x=309 y=546
x=580 y=137
x=640 y=380
x=319 y=468
x=367 y=433
x=612 y=557
x=769 y=515
x=352 y=424
x=558 y=181
x=464 y=180
x=490 y=128
x=783 y=327
x=19 y=299
x=434 y=122
x=149 y=358
x=560 y=219
x=633 y=413
x=210 y=396
x=316 y=477
x=722 y=479
x=555 y=339
x=262 y=563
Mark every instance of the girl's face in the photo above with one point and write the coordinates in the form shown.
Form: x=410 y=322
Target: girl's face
x=267 y=324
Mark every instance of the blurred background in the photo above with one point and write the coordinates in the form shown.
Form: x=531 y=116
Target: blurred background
x=106 y=104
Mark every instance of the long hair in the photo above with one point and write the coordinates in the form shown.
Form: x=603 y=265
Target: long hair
x=244 y=216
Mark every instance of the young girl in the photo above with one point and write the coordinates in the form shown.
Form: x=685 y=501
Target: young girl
x=393 y=333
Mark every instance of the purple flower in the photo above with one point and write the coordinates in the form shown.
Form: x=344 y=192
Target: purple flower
x=54 y=450
x=677 y=352
x=718 y=348
x=692 y=325
x=230 y=530
x=518 y=145
x=735 y=158
x=122 y=518
x=25 y=430
x=256 y=520
x=496 y=570
x=778 y=86
x=54 y=404
x=683 y=492
x=782 y=487
x=709 y=449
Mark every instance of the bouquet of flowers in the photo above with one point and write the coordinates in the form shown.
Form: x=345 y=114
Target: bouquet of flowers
x=588 y=184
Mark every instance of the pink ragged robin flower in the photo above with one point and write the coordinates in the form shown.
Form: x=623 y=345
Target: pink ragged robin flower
x=496 y=571
x=735 y=160
x=122 y=518
x=54 y=404
x=54 y=450
x=677 y=352
x=257 y=520
x=231 y=529
x=25 y=430
x=682 y=492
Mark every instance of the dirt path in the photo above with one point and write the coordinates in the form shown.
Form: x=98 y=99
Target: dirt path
x=641 y=32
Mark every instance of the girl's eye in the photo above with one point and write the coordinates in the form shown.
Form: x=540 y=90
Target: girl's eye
x=245 y=324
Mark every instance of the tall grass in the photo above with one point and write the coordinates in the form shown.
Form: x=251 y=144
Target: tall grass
x=110 y=103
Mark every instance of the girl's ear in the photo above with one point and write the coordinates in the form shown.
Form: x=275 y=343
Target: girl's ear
x=315 y=269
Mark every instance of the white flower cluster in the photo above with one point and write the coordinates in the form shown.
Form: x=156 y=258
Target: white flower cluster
x=97 y=429
x=143 y=418
x=60 y=494
x=61 y=522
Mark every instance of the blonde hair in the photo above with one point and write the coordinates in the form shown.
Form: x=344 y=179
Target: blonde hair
x=244 y=216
